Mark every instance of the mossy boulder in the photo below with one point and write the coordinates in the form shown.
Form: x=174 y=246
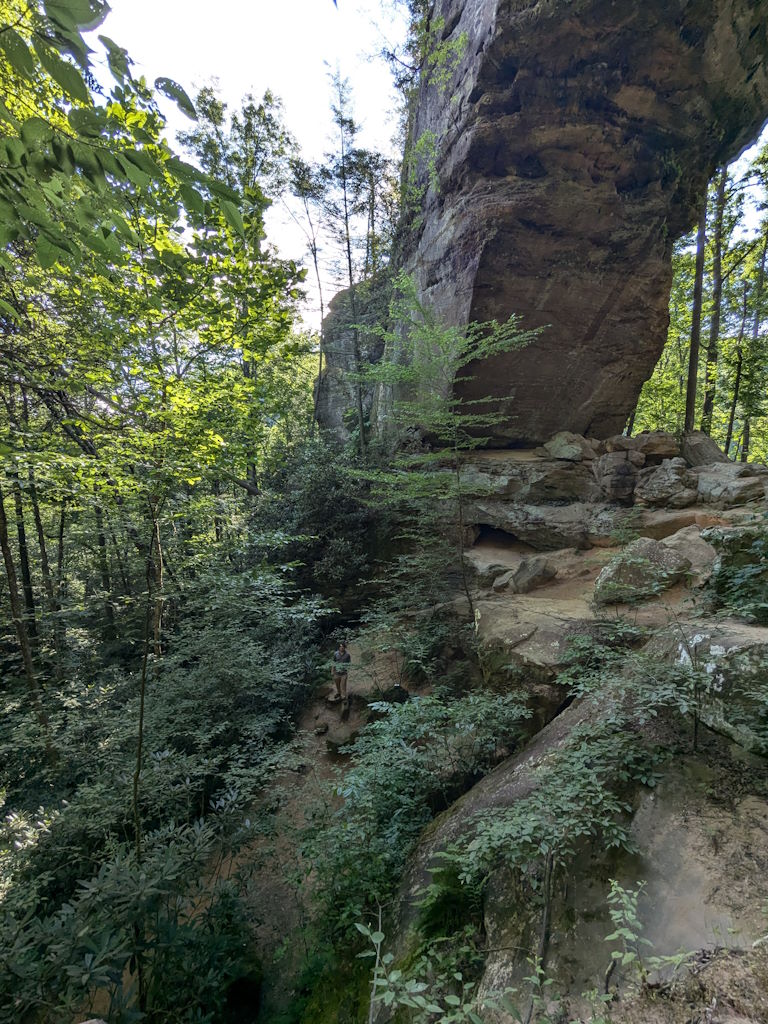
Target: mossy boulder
x=643 y=569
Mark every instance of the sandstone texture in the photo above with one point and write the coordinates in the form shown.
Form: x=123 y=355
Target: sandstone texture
x=572 y=146
x=642 y=569
x=699 y=449
x=670 y=485
x=571 y=492
x=732 y=483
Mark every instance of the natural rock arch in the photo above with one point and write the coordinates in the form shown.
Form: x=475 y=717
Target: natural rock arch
x=576 y=140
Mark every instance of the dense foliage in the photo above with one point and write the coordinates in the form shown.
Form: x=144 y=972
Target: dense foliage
x=731 y=378
x=180 y=543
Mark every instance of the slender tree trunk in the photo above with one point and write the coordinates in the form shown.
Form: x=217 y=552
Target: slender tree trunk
x=106 y=582
x=158 y=567
x=120 y=564
x=739 y=367
x=60 y=551
x=693 y=356
x=352 y=294
x=745 y=440
x=45 y=567
x=756 y=321
x=710 y=385
x=22 y=636
x=17 y=613
x=218 y=525
x=631 y=423
x=26 y=574
x=315 y=262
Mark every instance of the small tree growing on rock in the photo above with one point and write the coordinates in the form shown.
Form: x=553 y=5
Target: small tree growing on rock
x=430 y=427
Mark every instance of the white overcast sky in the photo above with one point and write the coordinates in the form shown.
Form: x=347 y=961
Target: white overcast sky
x=287 y=46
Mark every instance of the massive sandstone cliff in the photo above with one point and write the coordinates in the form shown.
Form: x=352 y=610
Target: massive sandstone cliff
x=573 y=145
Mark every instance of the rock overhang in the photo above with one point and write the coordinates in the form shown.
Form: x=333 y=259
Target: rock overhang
x=575 y=142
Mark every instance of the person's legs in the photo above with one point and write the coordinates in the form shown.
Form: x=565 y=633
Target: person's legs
x=343 y=685
x=337 y=684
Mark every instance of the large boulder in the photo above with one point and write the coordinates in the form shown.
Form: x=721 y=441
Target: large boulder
x=671 y=485
x=731 y=483
x=731 y=659
x=690 y=544
x=693 y=897
x=521 y=476
x=655 y=445
x=531 y=573
x=699 y=449
x=643 y=569
x=570 y=446
x=616 y=474
x=573 y=143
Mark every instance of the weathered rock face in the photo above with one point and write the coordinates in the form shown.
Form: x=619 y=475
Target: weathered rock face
x=336 y=387
x=574 y=143
x=643 y=568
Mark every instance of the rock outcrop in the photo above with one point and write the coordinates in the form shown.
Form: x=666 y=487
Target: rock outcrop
x=590 y=497
x=644 y=568
x=573 y=144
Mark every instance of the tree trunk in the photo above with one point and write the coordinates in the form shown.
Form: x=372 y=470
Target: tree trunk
x=21 y=628
x=352 y=295
x=106 y=582
x=322 y=330
x=693 y=355
x=26 y=574
x=739 y=366
x=710 y=385
x=45 y=566
x=745 y=439
x=631 y=423
x=756 y=322
x=60 y=551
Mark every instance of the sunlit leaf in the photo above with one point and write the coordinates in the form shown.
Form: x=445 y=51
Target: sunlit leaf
x=232 y=216
x=17 y=52
x=63 y=73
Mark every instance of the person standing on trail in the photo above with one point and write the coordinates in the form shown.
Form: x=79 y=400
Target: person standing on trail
x=339 y=669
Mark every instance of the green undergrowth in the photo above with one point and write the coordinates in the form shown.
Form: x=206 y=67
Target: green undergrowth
x=405 y=768
x=329 y=990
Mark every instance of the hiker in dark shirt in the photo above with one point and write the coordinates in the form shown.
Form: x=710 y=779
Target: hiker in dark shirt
x=339 y=669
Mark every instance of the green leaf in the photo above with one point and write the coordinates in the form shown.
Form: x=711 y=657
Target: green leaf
x=453 y=1000
x=134 y=174
x=17 y=52
x=7 y=310
x=175 y=92
x=363 y=929
x=85 y=121
x=6 y=114
x=192 y=199
x=86 y=161
x=117 y=58
x=232 y=216
x=223 y=191
x=34 y=132
x=63 y=73
x=183 y=171
x=141 y=159
x=47 y=253
x=377 y=938
x=12 y=150
x=88 y=14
